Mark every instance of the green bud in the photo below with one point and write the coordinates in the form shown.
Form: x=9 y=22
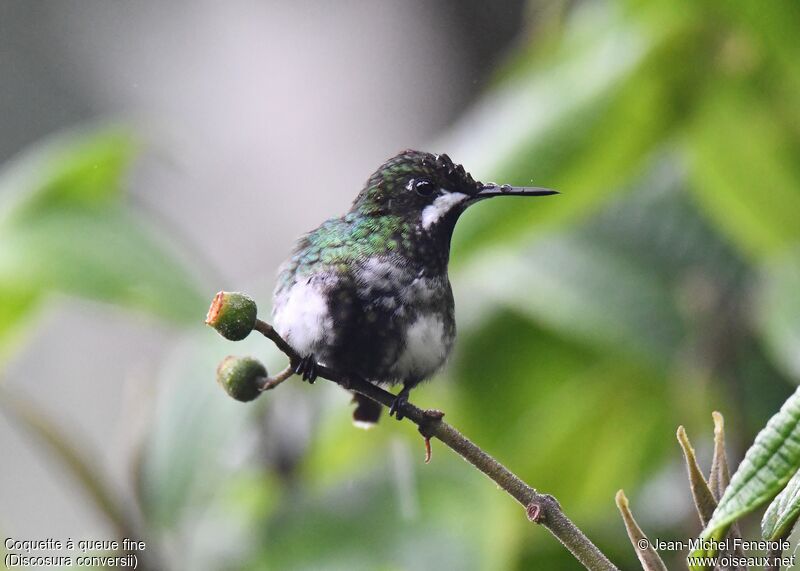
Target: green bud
x=232 y=314
x=241 y=377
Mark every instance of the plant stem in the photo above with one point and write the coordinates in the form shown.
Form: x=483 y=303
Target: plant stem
x=541 y=508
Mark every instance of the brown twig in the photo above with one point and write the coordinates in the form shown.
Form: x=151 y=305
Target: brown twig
x=541 y=508
x=272 y=382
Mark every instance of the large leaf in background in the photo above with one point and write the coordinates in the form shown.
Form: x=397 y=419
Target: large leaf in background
x=528 y=129
x=765 y=32
x=539 y=401
x=342 y=458
x=74 y=170
x=586 y=291
x=18 y=303
x=107 y=255
x=779 y=310
x=745 y=171
x=619 y=281
x=426 y=523
x=585 y=142
x=64 y=227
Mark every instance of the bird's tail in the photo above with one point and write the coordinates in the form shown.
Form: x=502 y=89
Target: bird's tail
x=367 y=411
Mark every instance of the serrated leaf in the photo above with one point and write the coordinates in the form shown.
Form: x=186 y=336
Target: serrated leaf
x=767 y=466
x=782 y=513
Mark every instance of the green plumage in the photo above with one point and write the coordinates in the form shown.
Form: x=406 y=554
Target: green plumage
x=368 y=293
x=342 y=241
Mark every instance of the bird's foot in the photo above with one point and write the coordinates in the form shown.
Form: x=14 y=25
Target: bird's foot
x=307 y=368
x=427 y=428
x=399 y=402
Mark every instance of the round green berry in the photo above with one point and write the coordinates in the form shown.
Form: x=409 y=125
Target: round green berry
x=241 y=377
x=232 y=314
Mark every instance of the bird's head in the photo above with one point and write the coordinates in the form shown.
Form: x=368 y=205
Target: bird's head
x=429 y=191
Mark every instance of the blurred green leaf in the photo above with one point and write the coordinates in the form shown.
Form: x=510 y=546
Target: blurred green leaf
x=72 y=170
x=531 y=128
x=617 y=281
x=778 y=310
x=745 y=173
x=533 y=397
x=585 y=290
x=768 y=465
x=109 y=256
x=64 y=227
x=17 y=305
x=772 y=29
x=782 y=513
x=329 y=529
x=196 y=432
x=587 y=143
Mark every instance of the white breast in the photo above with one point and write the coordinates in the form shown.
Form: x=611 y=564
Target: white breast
x=302 y=316
x=425 y=348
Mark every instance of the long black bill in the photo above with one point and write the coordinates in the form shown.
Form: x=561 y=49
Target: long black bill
x=491 y=189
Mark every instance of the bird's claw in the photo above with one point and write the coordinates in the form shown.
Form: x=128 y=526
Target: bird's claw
x=307 y=368
x=398 y=403
x=396 y=409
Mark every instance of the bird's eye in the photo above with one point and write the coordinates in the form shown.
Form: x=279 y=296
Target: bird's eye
x=424 y=187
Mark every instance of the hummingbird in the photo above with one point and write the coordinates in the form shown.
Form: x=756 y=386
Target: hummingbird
x=368 y=293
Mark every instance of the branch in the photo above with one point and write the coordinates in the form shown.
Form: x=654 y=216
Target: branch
x=541 y=508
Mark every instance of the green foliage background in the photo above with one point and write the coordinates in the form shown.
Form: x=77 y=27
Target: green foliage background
x=663 y=283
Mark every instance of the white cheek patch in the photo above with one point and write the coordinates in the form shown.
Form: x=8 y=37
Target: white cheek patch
x=432 y=213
